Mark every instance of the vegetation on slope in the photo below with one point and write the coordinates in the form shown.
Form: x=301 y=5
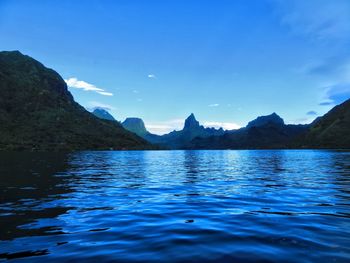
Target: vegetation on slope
x=37 y=112
x=329 y=131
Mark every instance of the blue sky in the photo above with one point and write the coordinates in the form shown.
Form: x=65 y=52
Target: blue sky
x=226 y=61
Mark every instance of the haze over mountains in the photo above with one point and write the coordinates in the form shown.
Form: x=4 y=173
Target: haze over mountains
x=37 y=112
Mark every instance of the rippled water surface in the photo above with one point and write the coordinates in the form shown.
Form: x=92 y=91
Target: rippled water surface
x=219 y=206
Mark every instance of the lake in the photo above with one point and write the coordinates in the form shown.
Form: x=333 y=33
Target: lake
x=175 y=206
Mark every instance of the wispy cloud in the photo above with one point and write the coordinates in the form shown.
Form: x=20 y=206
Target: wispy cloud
x=318 y=19
x=336 y=94
x=334 y=73
x=224 y=125
x=214 y=105
x=334 y=66
x=80 y=84
x=311 y=113
x=96 y=104
x=326 y=103
x=151 y=76
x=177 y=124
x=336 y=80
x=105 y=93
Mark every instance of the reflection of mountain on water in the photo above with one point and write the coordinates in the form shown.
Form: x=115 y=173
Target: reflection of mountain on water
x=339 y=163
x=269 y=167
x=191 y=166
x=101 y=169
x=27 y=183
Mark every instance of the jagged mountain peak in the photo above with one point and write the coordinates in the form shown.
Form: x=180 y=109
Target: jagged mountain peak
x=191 y=122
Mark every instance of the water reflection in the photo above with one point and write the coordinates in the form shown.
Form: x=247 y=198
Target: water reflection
x=28 y=180
x=176 y=206
x=340 y=176
x=191 y=165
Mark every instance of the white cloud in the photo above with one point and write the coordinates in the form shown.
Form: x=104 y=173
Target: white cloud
x=80 y=84
x=214 y=105
x=159 y=128
x=105 y=93
x=135 y=91
x=224 y=125
x=96 y=104
x=151 y=76
x=164 y=126
x=312 y=113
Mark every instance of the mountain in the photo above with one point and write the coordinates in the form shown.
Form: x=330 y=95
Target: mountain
x=179 y=139
x=135 y=125
x=329 y=131
x=265 y=132
x=191 y=123
x=174 y=139
x=37 y=112
x=272 y=119
x=103 y=114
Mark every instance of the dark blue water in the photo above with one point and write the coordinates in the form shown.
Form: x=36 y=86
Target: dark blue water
x=200 y=206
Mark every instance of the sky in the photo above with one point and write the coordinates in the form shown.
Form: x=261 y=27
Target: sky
x=225 y=61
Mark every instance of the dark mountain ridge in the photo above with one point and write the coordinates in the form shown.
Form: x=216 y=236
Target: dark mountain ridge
x=331 y=131
x=265 y=132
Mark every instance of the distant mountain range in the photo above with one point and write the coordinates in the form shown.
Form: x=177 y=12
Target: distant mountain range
x=332 y=131
x=265 y=132
x=37 y=112
x=174 y=139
